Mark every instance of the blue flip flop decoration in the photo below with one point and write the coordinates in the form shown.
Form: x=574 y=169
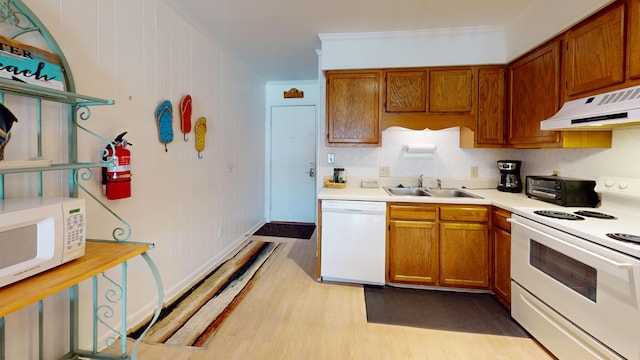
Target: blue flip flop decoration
x=164 y=120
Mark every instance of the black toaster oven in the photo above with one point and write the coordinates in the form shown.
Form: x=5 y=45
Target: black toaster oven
x=562 y=191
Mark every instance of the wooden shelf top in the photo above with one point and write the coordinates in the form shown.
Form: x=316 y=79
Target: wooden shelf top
x=98 y=257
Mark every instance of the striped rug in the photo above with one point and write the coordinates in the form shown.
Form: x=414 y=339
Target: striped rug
x=196 y=316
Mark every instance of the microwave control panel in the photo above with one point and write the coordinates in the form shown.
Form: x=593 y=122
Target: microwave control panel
x=74 y=230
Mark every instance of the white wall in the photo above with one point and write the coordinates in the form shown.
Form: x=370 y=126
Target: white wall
x=539 y=21
x=619 y=160
x=432 y=47
x=141 y=53
x=451 y=161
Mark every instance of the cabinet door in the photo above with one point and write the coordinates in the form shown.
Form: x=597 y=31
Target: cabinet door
x=413 y=252
x=353 y=108
x=464 y=255
x=595 y=52
x=534 y=95
x=450 y=90
x=491 y=125
x=406 y=91
x=633 y=51
x=502 y=265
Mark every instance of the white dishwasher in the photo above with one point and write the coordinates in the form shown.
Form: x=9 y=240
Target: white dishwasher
x=353 y=241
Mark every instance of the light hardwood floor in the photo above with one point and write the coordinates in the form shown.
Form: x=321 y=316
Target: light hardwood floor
x=289 y=315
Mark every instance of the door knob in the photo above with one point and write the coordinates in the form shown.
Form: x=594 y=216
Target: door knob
x=311 y=172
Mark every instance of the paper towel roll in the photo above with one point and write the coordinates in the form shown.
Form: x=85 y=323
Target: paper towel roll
x=420 y=148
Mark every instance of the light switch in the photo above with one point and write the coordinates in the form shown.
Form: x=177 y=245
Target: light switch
x=331 y=158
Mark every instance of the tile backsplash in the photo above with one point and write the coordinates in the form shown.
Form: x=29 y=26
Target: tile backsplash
x=450 y=161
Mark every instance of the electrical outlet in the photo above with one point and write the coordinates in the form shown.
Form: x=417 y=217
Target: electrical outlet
x=220 y=231
x=331 y=158
x=473 y=172
x=385 y=171
x=556 y=172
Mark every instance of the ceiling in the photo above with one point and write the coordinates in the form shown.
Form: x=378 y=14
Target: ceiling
x=279 y=38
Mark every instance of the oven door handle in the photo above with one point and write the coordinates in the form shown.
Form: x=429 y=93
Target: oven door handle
x=618 y=265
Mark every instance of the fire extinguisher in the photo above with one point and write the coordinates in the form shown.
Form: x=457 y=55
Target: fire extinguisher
x=117 y=176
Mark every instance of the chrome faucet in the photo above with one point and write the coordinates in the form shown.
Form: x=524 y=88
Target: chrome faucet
x=439 y=183
x=420 y=178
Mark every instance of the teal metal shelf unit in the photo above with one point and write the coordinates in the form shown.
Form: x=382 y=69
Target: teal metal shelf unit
x=23 y=21
x=43 y=93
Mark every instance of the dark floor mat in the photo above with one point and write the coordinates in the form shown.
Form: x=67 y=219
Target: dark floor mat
x=289 y=230
x=441 y=310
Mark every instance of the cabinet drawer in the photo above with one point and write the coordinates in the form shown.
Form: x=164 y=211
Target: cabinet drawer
x=412 y=212
x=464 y=213
x=500 y=217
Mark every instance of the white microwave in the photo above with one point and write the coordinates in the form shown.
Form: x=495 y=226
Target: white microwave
x=37 y=234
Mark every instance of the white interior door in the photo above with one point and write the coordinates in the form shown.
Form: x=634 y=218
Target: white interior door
x=293 y=167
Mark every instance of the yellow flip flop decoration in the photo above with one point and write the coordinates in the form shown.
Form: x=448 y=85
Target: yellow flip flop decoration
x=200 y=130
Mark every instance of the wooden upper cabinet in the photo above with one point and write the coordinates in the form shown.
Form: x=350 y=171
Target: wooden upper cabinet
x=429 y=98
x=491 y=117
x=353 y=108
x=491 y=126
x=450 y=90
x=595 y=52
x=633 y=42
x=406 y=91
x=534 y=95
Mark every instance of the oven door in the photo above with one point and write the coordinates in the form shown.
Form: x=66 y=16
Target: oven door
x=595 y=288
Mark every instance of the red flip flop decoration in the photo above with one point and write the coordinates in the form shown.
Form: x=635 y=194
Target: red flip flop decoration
x=185 y=116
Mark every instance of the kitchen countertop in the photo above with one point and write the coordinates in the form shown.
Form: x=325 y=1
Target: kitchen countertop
x=493 y=197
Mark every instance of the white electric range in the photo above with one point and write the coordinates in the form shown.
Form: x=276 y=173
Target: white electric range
x=576 y=273
x=618 y=213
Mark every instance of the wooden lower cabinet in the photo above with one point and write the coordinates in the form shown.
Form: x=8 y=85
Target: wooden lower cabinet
x=439 y=245
x=464 y=254
x=502 y=265
x=413 y=252
x=501 y=273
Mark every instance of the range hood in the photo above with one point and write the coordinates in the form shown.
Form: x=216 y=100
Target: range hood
x=612 y=110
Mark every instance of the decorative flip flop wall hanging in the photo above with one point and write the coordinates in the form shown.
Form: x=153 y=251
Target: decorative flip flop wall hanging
x=200 y=130
x=185 y=116
x=164 y=120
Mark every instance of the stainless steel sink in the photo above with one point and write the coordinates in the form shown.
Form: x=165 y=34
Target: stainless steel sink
x=442 y=193
x=451 y=193
x=398 y=191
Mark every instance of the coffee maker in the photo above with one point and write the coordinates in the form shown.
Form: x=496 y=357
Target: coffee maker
x=510 y=180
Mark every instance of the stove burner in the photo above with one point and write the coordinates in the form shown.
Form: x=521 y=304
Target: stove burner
x=595 y=214
x=625 y=237
x=558 y=215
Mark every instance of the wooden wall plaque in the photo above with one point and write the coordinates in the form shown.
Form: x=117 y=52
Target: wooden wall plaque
x=293 y=93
